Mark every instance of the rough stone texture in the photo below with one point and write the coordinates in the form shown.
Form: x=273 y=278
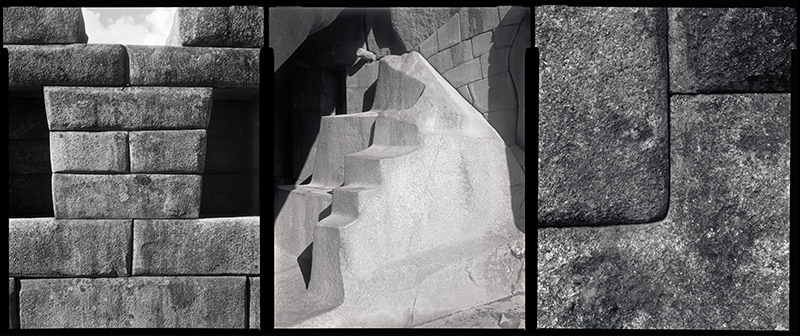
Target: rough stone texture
x=126 y=196
x=43 y=25
x=731 y=49
x=181 y=151
x=412 y=25
x=48 y=247
x=30 y=195
x=135 y=302
x=230 y=195
x=603 y=146
x=235 y=26
x=461 y=52
x=89 y=152
x=196 y=247
x=486 y=316
x=476 y=20
x=449 y=34
x=13 y=317
x=198 y=66
x=516 y=66
x=719 y=260
x=255 y=303
x=465 y=73
x=26 y=118
x=494 y=94
x=130 y=108
x=28 y=157
x=32 y=66
x=290 y=26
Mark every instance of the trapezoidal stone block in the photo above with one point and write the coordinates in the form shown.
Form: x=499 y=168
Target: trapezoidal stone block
x=43 y=25
x=128 y=108
x=196 y=66
x=235 y=26
x=197 y=246
x=30 y=67
x=181 y=151
x=133 y=302
x=48 y=247
x=96 y=152
x=126 y=196
x=731 y=49
x=603 y=111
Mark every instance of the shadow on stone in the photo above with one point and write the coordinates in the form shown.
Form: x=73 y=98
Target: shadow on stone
x=304 y=261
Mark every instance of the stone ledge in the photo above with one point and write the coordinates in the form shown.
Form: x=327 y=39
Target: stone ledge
x=201 y=246
x=89 y=152
x=48 y=247
x=199 y=66
x=136 y=302
x=43 y=25
x=30 y=67
x=236 y=26
x=182 y=151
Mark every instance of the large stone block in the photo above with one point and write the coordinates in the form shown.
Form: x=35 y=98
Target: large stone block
x=199 y=66
x=255 y=303
x=494 y=93
x=412 y=25
x=449 y=34
x=181 y=151
x=461 y=52
x=89 y=152
x=235 y=26
x=719 y=260
x=464 y=74
x=442 y=61
x=603 y=113
x=290 y=26
x=130 y=108
x=13 y=313
x=477 y=20
x=197 y=247
x=482 y=43
x=43 y=25
x=135 y=302
x=26 y=118
x=30 y=195
x=731 y=49
x=28 y=157
x=126 y=196
x=48 y=247
x=30 y=67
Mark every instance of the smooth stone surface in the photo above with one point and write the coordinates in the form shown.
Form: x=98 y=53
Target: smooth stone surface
x=476 y=20
x=197 y=66
x=135 y=302
x=196 y=247
x=255 y=303
x=126 y=196
x=89 y=152
x=412 y=25
x=32 y=66
x=235 y=26
x=130 y=108
x=30 y=195
x=603 y=113
x=48 y=247
x=731 y=49
x=13 y=314
x=43 y=25
x=486 y=316
x=27 y=118
x=719 y=260
x=28 y=157
x=181 y=151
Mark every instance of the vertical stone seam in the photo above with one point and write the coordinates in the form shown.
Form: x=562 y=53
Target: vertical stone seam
x=126 y=80
x=129 y=259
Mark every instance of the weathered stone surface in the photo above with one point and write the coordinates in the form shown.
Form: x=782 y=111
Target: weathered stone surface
x=26 y=118
x=516 y=66
x=30 y=195
x=32 y=66
x=449 y=34
x=181 y=151
x=485 y=316
x=429 y=47
x=196 y=247
x=731 y=49
x=494 y=94
x=465 y=73
x=364 y=76
x=43 y=25
x=476 y=20
x=461 y=52
x=719 y=260
x=442 y=61
x=235 y=26
x=255 y=303
x=89 y=152
x=13 y=314
x=230 y=195
x=135 y=302
x=603 y=146
x=482 y=43
x=130 y=108
x=290 y=26
x=413 y=25
x=28 y=157
x=126 y=196
x=198 y=66
x=48 y=247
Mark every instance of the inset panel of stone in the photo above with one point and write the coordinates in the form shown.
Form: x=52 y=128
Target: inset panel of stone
x=235 y=26
x=731 y=49
x=30 y=67
x=43 y=25
x=89 y=152
x=603 y=115
x=134 y=302
x=168 y=151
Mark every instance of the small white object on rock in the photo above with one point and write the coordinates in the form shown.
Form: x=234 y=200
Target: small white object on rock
x=365 y=55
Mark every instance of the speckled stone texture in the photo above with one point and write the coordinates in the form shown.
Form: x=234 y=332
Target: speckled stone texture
x=731 y=49
x=89 y=152
x=43 y=25
x=32 y=66
x=603 y=149
x=197 y=66
x=719 y=260
x=13 y=320
x=235 y=26
x=255 y=303
x=180 y=151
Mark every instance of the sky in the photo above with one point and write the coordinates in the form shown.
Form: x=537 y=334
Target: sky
x=148 y=26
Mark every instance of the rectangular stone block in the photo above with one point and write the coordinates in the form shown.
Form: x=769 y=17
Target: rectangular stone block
x=43 y=25
x=198 y=66
x=449 y=34
x=232 y=155
x=476 y=20
x=28 y=157
x=461 y=52
x=482 y=43
x=230 y=195
x=494 y=93
x=48 y=247
x=429 y=47
x=235 y=26
x=26 y=118
x=464 y=74
x=255 y=303
x=441 y=61
x=13 y=314
x=30 y=195
x=743 y=49
x=126 y=196
x=495 y=62
x=168 y=151
x=603 y=111
x=129 y=108
x=135 y=302
x=197 y=247
x=89 y=152
x=30 y=67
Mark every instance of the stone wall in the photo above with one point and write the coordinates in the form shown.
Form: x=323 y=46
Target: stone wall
x=133 y=173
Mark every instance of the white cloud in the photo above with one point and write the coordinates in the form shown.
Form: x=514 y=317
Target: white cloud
x=148 y=29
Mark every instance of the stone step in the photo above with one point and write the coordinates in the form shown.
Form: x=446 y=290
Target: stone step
x=339 y=136
x=350 y=199
x=298 y=208
x=366 y=167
